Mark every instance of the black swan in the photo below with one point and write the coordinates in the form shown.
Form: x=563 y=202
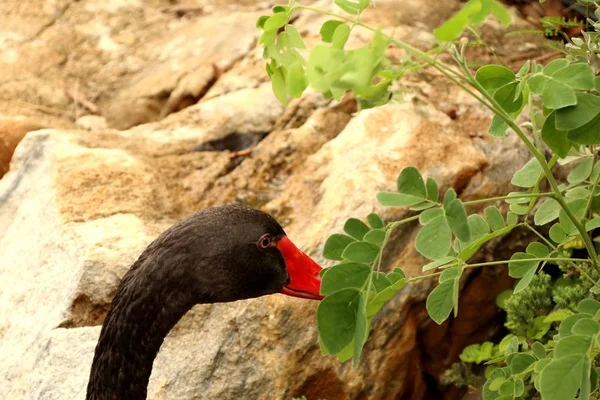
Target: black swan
x=221 y=254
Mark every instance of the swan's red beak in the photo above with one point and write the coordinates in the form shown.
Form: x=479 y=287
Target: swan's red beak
x=305 y=274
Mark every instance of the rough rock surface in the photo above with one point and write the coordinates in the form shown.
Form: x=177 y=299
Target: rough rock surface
x=78 y=206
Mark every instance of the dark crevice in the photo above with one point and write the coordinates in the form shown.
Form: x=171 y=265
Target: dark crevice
x=233 y=142
x=239 y=144
x=85 y=313
x=176 y=103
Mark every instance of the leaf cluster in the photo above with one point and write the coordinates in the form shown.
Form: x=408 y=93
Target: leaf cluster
x=560 y=369
x=561 y=100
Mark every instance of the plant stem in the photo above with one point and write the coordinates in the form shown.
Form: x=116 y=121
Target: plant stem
x=485 y=264
x=394 y=225
x=594 y=184
x=421 y=277
x=532 y=229
x=514 y=196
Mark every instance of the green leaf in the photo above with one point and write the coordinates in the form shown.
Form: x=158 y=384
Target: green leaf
x=429 y=215
x=558 y=315
x=280 y=8
x=470 y=250
x=578 y=207
x=586 y=327
x=508 y=98
x=537 y=83
x=557 y=234
x=278 y=85
x=477 y=353
x=587 y=107
x=581 y=171
x=340 y=36
x=275 y=21
x=361 y=252
x=561 y=378
x=376 y=236
x=477 y=226
x=558 y=95
x=449 y=196
x=498 y=127
x=296 y=79
x=423 y=206
x=528 y=176
x=494 y=218
x=379 y=281
x=519 y=269
x=500 y=11
x=438 y=263
x=350 y=7
x=520 y=362
x=493 y=77
x=324 y=67
x=295 y=39
x=586 y=134
x=538 y=250
x=439 y=302
x=588 y=306
x=356 y=228
x=539 y=366
x=565 y=328
x=391 y=199
x=260 y=22
x=584 y=392
x=375 y=221
x=525 y=281
x=577 y=193
x=434 y=239
x=517 y=198
x=547 y=212
x=576 y=344
x=455 y=25
x=555 y=139
x=592 y=224
x=576 y=75
x=328 y=29
x=538 y=350
x=449 y=274
x=433 y=193
x=335 y=245
x=336 y=319
x=343 y=276
x=524 y=69
x=457 y=219
x=410 y=182
x=361 y=333
x=519 y=209
x=346 y=353
x=511 y=218
x=377 y=302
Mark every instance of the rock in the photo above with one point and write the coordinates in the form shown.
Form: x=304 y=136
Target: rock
x=91 y=122
x=11 y=132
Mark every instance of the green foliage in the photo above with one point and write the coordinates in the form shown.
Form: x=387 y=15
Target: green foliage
x=559 y=369
x=474 y=12
x=554 y=324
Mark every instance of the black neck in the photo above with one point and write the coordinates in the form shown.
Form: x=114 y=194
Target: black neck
x=140 y=316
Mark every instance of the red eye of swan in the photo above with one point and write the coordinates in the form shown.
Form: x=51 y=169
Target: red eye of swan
x=265 y=241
